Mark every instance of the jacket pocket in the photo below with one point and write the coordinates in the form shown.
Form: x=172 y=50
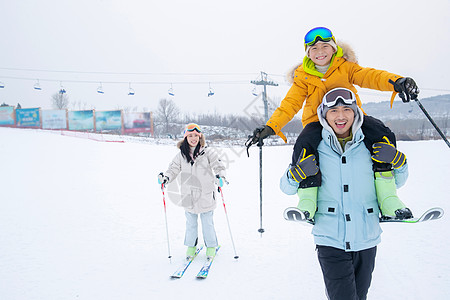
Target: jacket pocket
x=208 y=200
x=327 y=222
x=371 y=220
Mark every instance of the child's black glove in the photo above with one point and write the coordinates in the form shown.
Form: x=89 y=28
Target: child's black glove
x=406 y=86
x=305 y=166
x=261 y=133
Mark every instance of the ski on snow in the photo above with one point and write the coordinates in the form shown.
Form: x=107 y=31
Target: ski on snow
x=204 y=271
x=294 y=214
x=181 y=270
x=431 y=214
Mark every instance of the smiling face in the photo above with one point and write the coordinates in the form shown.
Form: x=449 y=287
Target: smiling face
x=321 y=53
x=340 y=118
x=193 y=138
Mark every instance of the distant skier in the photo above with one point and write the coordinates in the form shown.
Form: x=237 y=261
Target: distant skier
x=200 y=169
x=346 y=230
x=329 y=65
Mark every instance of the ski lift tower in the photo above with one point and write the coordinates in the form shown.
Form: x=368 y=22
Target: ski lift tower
x=264 y=82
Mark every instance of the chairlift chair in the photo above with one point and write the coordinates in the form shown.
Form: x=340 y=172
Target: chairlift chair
x=170 y=91
x=62 y=90
x=211 y=91
x=100 y=89
x=130 y=90
x=37 y=86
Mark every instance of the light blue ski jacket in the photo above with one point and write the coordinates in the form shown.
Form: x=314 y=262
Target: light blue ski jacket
x=347 y=208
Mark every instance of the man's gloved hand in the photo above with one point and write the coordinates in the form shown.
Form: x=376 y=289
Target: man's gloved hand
x=261 y=133
x=305 y=166
x=385 y=152
x=162 y=179
x=406 y=86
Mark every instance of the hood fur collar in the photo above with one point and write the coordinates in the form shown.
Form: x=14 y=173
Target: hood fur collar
x=202 y=142
x=348 y=53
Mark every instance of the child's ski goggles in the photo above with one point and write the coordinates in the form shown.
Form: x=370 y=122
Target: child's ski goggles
x=318 y=34
x=331 y=98
x=191 y=127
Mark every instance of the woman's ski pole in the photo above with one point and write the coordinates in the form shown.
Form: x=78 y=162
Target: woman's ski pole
x=165 y=216
x=228 y=222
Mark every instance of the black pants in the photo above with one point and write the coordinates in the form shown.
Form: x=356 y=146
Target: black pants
x=311 y=135
x=347 y=275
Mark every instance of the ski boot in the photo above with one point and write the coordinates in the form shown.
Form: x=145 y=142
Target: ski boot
x=307 y=202
x=190 y=252
x=210 y=252
x=390 y=205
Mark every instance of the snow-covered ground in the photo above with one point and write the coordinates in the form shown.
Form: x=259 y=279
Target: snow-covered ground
x=83 y=219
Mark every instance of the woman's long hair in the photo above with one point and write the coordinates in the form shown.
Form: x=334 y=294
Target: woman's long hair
x=186 y=150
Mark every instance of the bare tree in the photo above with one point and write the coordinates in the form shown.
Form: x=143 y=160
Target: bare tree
x=60 y=101
x=167 y=112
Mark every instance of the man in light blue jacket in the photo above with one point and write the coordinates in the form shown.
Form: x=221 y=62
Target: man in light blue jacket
x=345 y=208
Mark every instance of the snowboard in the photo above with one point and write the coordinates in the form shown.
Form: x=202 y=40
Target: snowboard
x=294 y=214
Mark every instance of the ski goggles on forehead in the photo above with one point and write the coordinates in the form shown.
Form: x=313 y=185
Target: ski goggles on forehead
x=319 y=33
x=191 y=127
x=332 y=97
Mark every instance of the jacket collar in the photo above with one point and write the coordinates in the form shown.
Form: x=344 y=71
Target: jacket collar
x=330 y=138
x=310 y=68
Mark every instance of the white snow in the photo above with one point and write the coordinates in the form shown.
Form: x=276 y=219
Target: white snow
x=84 y=219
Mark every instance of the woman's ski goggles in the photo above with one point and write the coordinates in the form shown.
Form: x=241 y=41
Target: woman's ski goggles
x=318 y=34
x=191 y=127
x=331 y=98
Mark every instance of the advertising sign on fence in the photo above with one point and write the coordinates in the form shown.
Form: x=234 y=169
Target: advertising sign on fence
x=137 y=122
x=81 y=120
x=108 y=120
x=7 y=116
x=54 y=119
x=28 y=117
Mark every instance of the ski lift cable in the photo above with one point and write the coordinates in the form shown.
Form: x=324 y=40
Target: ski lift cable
x=127 y=82
x=126 y=73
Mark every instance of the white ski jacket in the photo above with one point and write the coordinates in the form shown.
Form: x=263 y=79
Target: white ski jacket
x=195 y=188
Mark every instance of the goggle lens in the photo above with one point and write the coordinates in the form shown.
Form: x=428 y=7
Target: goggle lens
x=332 y=97
x=320 y=32
x=192 y=127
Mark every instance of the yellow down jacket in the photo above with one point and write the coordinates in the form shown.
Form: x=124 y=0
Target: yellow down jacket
x=309 y=86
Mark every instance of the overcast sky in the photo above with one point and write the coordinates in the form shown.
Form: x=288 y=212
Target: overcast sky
x=192 y=45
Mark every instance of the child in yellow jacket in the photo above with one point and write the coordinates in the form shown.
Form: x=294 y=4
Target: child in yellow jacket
x=328 y=65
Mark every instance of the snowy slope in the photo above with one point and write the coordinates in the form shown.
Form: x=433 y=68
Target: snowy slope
x=82 y=219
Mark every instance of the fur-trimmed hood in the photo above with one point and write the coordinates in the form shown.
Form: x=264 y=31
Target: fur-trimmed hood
x=202 y=142
x=348 y=53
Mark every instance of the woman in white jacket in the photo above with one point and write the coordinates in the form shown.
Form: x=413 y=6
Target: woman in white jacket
x=200 y=169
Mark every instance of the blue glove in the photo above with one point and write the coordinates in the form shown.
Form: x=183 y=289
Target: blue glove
x=162 y=179
x=220 y=180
